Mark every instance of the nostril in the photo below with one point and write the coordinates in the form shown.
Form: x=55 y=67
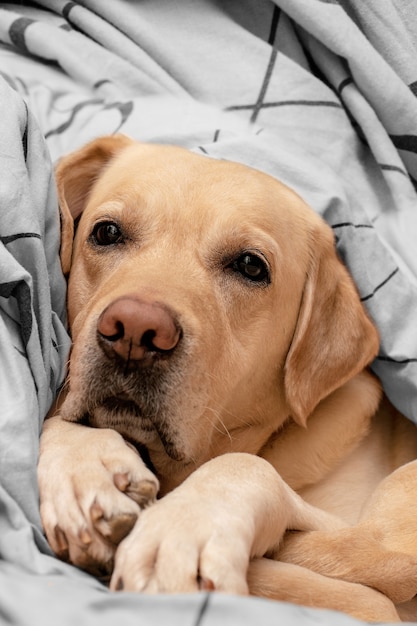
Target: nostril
x=147 y=340
x=114 y=334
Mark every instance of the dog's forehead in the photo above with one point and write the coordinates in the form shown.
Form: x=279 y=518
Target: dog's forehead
x=178 y=171
x=174 y=180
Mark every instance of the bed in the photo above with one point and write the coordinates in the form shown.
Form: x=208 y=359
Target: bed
x=319 y=93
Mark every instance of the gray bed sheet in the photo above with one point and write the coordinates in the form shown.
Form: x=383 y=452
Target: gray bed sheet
x=320 y=94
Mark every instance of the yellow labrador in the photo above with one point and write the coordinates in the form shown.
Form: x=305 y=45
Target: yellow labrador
x=216 y=332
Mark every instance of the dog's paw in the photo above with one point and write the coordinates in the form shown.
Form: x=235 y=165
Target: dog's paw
x=203 y=534
x=93 y=486
x=182 y=544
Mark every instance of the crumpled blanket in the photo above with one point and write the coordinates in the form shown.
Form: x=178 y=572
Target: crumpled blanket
x=321 y=94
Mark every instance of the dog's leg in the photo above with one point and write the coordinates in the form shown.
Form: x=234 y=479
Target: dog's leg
x=380 y=551
x=292 y=583
x=93 y=486
x=392 y=511
x=391 y=516
x=232 y=508
x=354 y=555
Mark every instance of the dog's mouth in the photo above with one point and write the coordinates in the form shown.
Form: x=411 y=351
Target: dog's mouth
x=142 y=404
x=139 y=422
x=120 y=406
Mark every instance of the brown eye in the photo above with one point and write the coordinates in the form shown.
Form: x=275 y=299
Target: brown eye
x=106 y=234
x=252 y=267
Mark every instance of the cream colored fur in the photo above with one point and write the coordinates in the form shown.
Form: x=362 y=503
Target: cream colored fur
x=283 y=473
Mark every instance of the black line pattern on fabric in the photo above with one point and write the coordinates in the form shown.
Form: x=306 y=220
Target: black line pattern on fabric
x=260 y=101
x=274 y=25
x=378 y=287
x=20 y=352
x=413 y=87
x=203 y=609
x=389 y=359
x=67 y=9
x=99 y=83
x=216 y=135
x=25 y=133
x=314 y=68
x=73 y=112
x=21 y=291
x=344 y=83
x=125 y=109
x=392 y=168
x=405 y=142
x=351 y=225
x=52 y=380
x=9 y=238
x=17 y=32
x=202 y=149
x=284 y=103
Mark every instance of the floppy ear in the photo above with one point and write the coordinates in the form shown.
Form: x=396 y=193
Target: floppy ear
x=75 y=176
x=334 y=338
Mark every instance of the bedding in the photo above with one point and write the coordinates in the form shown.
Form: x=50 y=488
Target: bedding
x=321 y=94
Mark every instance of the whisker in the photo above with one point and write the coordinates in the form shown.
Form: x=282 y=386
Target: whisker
x=215 y=423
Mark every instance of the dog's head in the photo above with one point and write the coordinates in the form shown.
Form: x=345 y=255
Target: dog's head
x=205 y=299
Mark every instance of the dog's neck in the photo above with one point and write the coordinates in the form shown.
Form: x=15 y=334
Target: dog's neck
x=301 y=455
x=304 y=456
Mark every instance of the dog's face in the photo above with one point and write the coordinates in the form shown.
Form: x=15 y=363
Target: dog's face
x=205 y=300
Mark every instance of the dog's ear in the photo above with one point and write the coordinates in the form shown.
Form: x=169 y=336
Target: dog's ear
x=75 y=176
x=334 y=338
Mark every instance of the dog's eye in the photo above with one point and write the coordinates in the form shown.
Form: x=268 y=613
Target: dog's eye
x=252 y=267
x=106 y=234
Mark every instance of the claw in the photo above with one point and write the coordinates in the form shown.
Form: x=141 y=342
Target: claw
x=121 y=481
x=62 y=543
x=114 y=528
x=85 y=536
x=144 y=494
x=205 y=584
x=120 y=526
x=96 y=512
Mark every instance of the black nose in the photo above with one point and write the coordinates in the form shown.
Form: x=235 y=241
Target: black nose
x=132 y=328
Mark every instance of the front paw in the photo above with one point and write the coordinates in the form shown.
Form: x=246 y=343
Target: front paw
x=204 y=533
x=201 y=535
x=93 y=486
x=184 y=544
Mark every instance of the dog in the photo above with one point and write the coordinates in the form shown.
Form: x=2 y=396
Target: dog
x=219 y=428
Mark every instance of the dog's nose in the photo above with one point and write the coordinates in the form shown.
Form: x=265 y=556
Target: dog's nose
x=132 y=328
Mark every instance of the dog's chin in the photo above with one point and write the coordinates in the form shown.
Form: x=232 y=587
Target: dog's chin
x=124 y=415
x=134 y=423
